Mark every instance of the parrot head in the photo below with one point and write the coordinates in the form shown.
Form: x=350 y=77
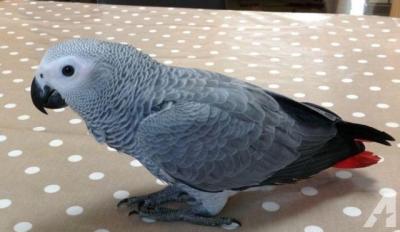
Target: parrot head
x=64 y=72
x=80 y=72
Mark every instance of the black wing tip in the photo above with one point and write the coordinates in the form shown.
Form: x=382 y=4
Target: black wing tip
x=387 y=136
x=384 y=138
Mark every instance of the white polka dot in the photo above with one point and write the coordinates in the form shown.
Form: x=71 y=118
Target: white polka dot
x=274 y=59
x=59 y=110
x=368 y=73
x=3 y=138
x=392 y=124
x=347 y=80
x=351 y=211
x=338 y=55
x=160 y=182
x=396 y=81
x=10 y=105
x=270 y=206
x=167 y=62
x=361 y=61
x=323 y=87
x=250 y=78
x=74 y=158
x=374 y=88
x=388 y=68
x=298 y=79
x=352 y=96
x=55 y=143
x=343 y=174
x=74 y=210
x=32 y=170
x=309 y=191
x=39 y=128
x=299 y=95
x=274 y=72
x=53 y=188
x=18 y=80
x=382 y=56
x=96 y=176
x=135 y=163
x=24 y=117
x=22 y=227
x=229 y=70
x=320 y=73
x=382 y=105
x=148 y=220
x=121 y=194
x=5 y=203
x=313 y=228
x=15 y=153
x=209 y=63
x=273 y=86
x=75 y=121
x=358 y=114
x=101 y=230
x=387 y=192
x=297 y=66
x=6 y=72
x=111 y=149
x=231 y=226
x=327 y=104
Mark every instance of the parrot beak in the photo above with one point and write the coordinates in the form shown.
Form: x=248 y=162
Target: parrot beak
x=45 y=97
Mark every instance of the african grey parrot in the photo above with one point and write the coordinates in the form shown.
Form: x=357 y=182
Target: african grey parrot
x=209 y=136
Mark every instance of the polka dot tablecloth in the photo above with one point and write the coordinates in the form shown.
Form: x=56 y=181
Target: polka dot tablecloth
x=55 y=177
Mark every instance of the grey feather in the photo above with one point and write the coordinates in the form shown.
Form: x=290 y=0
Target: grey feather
x=191 y=126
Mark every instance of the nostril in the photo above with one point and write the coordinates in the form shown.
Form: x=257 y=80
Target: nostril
x=41 y=75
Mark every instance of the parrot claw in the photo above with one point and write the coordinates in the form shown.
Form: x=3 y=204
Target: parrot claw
x=122 y=202
x=133 y=212
x=234 y=224
x=169 y=194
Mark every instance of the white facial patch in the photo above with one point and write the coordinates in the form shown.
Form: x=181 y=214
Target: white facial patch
x=52 y=75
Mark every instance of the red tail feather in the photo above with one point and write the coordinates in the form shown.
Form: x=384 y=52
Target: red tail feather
x=361 y=160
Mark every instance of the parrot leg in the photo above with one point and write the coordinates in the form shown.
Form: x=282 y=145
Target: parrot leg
x=168 y=194
x=187 y=215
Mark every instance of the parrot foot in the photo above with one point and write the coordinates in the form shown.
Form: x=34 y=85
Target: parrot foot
x=186 y=214
x=169 y=194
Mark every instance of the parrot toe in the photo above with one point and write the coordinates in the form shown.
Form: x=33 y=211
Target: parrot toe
x=187 y=215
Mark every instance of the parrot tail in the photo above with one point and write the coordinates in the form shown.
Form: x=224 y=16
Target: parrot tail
x=362 y=133
x=361 y=160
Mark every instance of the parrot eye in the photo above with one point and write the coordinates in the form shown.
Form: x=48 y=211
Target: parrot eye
x=68 y=70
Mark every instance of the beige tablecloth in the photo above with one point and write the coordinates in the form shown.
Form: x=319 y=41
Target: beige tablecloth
x=55 y=177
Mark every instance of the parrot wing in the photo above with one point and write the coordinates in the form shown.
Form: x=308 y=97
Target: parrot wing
x=212 y=145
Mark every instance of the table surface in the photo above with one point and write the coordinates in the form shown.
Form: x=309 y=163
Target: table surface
x=55 y=177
